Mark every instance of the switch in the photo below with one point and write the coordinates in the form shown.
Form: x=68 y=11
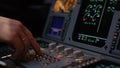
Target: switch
x=59 y=48
x=78 y=53
x=68 y=51
x=118 y=26
x=52 y=46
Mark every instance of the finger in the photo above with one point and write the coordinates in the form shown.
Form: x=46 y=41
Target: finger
x=33 y=42
x=22 y=35
x=35 y=46
x=24 y=39
x=25 y=42
x=19 y=48
x=31 y=39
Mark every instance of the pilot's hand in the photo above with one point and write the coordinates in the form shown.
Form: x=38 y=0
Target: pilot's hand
x=18 y=36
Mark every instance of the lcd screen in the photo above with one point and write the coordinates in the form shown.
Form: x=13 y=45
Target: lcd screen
x=93 y=22
x=56 y=26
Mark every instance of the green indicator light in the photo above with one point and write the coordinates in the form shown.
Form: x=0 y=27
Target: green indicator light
x=111 y=3
x=94 y=23
x=93 y=41
x=101 y=0
x=91 y=0
x=85 y=23
x=98 y=11
x=89 y=10
x=89 y=40
x=108 y=10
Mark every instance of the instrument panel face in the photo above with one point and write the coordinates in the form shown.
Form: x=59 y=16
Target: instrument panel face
x=86 y=36
x=93 y=22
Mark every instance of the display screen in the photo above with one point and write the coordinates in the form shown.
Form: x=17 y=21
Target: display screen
x=93 y=22
x=56 y=26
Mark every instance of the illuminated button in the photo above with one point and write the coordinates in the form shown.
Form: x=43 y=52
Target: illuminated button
x=59 y=48
x=114 y=42
x=116 y=34
x=78 y=53
x=59 y=56
x=113 y=47
x=52 y=45
x=3 y=64
x=91 y=60
x=115 y=37
x=68 y=51
x=94 y=19
x=118 y=26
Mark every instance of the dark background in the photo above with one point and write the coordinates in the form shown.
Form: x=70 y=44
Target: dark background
x=32 y=13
